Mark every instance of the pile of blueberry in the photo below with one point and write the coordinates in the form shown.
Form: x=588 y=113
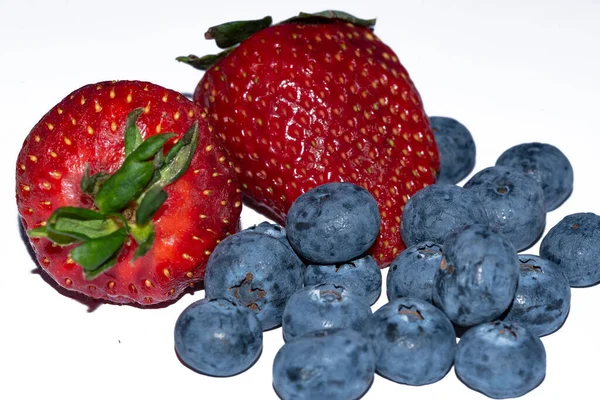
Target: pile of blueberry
x=461 y=276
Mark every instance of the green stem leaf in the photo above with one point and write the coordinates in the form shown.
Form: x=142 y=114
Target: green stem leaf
x=205 y=62
x=119 y=220
x=179 y=158
x=79 y=223
x=151 y=202
x=133 y=136
x=99 y=254
x=323 y=16
x=149 y=147
x=43 y=231
x=144 y=237
x=231 y=33
x=130 y=181
x=89 y=275
x=92 y=184
x=175 y=163
x=126 y=185
x=159 y=160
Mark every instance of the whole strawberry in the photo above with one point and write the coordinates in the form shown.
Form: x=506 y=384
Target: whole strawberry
x=315 y=99
x=124 y=192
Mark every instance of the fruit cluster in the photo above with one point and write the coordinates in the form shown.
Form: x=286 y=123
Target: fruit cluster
x=281 y=110
x=461 y=277
x=131 y=193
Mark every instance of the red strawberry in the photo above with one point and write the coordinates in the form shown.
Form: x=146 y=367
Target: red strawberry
x=316 y=99
x=125 y=192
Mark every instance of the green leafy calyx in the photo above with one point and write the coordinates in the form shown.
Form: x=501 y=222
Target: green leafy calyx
x=230 y=34
x=125 y=201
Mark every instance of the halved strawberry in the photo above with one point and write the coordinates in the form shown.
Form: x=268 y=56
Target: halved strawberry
x=316 y=99
x=124 y=192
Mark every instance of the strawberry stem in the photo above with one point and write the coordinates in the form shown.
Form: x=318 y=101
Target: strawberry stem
x=137 y=186
x=150 y=204
x=230 y=34
x=99 y=254
x=133 y=136
x=205 y=62
x=144 y=236
x=328 y=15
x=91 y=184
x=80 y=223
x=129 y=182
x=44 y=232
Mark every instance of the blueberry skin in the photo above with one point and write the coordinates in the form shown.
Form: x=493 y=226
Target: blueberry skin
x=412 y=271
x=323 y=306
x=415 y=342
x=514 y=203
x=456 y=149
x=334 y=364
x=500 y=360
x=333 y=223
x=362 y=276
x=574 y=245
x=255 y=270
x=546 y=164
x=478 y=275
x=275 y=230
x=217 y=337
x=543 y=297
x=434 y=211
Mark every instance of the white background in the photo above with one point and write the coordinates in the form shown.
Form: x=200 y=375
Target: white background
x=512 y=71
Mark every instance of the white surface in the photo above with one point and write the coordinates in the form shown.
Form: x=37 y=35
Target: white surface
x=512 y=71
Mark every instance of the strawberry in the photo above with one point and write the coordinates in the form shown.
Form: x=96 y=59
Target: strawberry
x=315 y=99
x=124 y=192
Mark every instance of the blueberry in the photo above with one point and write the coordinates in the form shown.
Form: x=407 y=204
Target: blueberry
x=275 y=230
x=543 y=296
x=255 y=270
x=547 y=165
x=574 y=245
x=334 y=364
x=434 y=211
x=500 y=360
x=456 y=149
x=333 y=223
x=362 y=276
x=414 y=341
x=323 y=306
x=514 y=203
x=478 y=275
x=216 y=337
x=412 y=271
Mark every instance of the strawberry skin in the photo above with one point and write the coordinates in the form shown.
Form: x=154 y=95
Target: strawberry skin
x=87 y=127
x=301 y=104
